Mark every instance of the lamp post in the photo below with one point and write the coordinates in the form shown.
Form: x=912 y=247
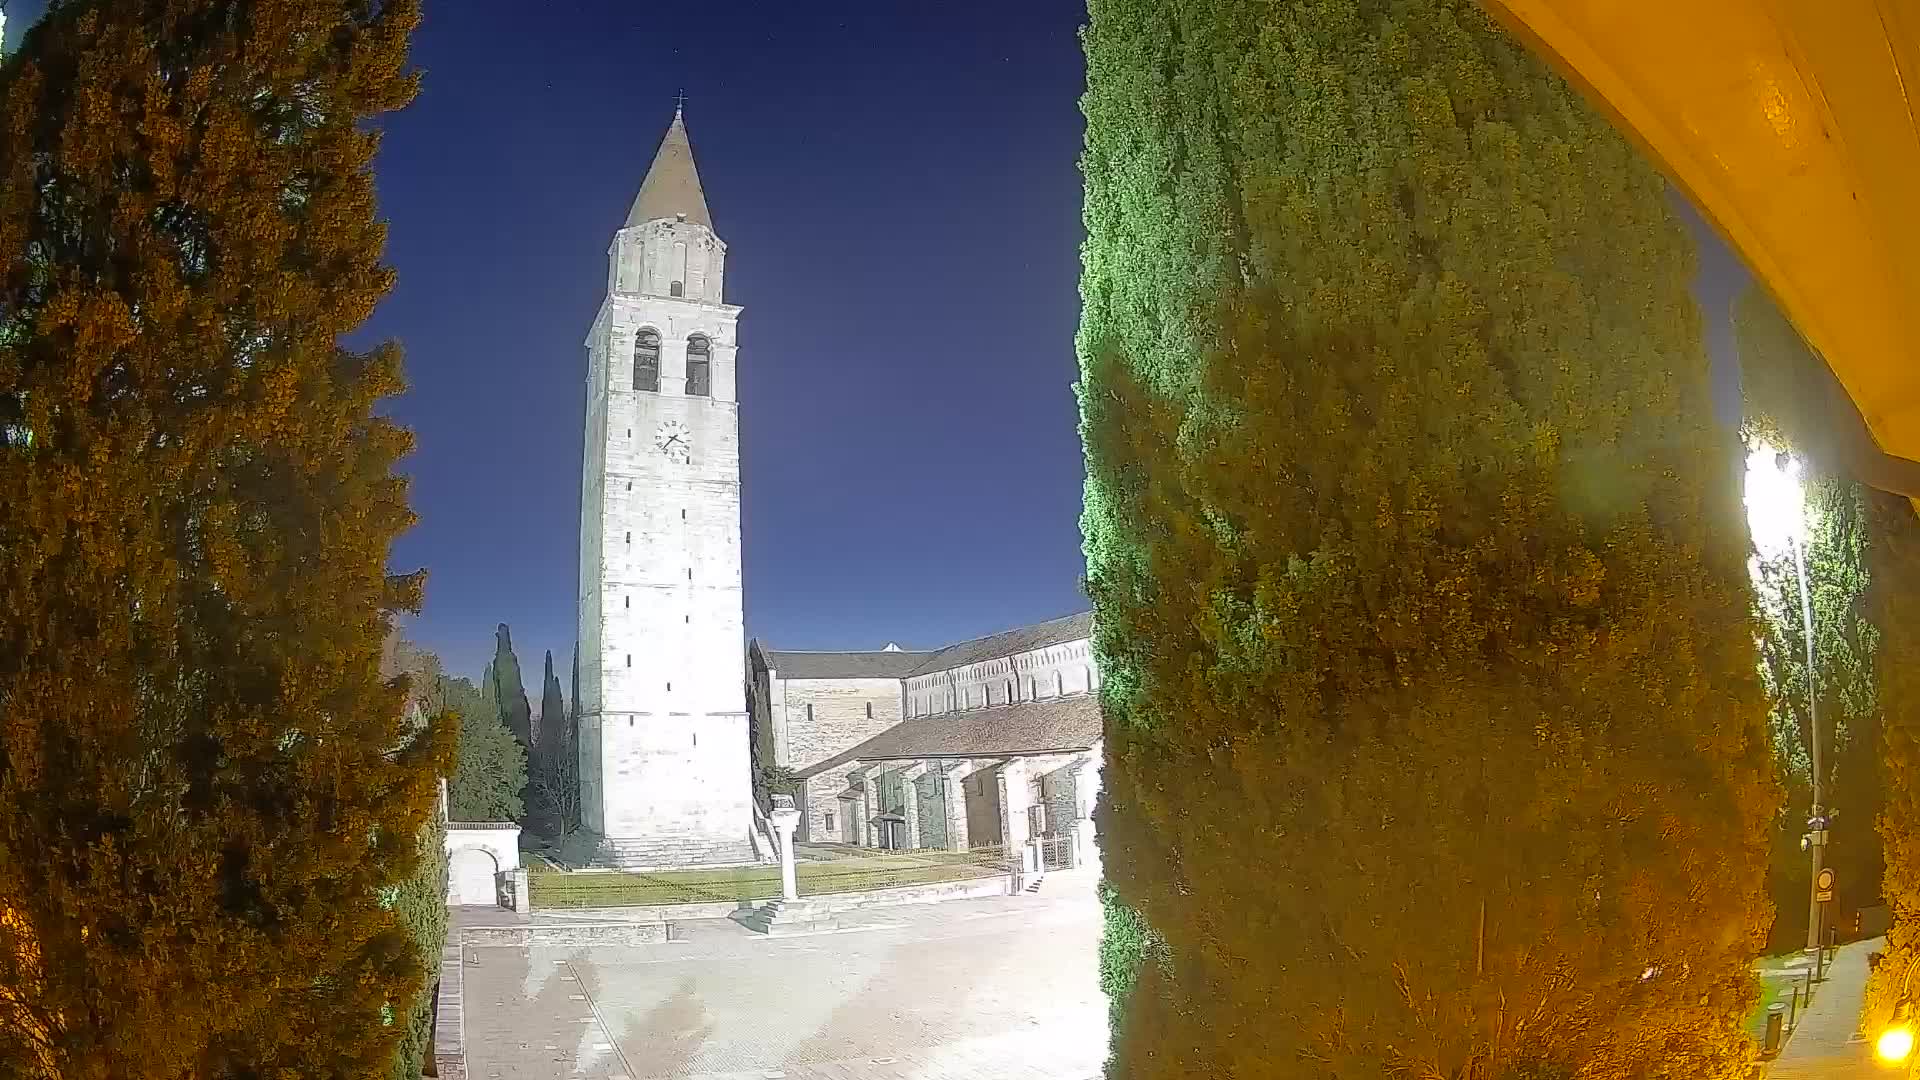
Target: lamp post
x=1776 y=509
x=1816 y=814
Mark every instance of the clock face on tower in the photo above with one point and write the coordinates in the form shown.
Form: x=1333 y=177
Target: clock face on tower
x=675 y=441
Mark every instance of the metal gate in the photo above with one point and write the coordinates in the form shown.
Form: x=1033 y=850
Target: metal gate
x=1056 y=852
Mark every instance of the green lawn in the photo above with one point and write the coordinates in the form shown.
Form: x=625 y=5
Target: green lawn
x=563 y=889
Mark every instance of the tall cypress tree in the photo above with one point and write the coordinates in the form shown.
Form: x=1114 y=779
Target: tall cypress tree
x=206 y=786
x=553 y=712
x=509 y=690
x=555 y=777
x=1418 y=565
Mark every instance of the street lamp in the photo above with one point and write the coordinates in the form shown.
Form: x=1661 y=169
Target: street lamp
x=1776 y=515
x=1895 y=1044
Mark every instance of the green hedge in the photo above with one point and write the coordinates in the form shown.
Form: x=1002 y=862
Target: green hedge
x=1433 y=721
x=422 y=904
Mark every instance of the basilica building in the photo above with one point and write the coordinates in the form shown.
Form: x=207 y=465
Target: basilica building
x=993 y=742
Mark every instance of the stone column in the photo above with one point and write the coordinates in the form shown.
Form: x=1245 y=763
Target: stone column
x=863 y=833
x=785 y=820
x=910 y=796
x=953 y=803
x=1012 y=779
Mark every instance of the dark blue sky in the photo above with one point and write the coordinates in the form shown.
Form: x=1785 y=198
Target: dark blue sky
x=897 y=186
x=898 y=192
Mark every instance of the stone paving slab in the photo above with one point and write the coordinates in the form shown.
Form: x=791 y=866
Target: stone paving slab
x=1002 y=988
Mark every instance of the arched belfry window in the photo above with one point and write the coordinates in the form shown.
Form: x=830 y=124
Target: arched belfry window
x=699 y=367
x=646 y=360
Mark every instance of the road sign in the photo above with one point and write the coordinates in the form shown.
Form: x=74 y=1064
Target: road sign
x=1823 y=884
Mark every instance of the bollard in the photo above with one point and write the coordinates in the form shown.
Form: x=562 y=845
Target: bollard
x=1776 y=1023
x=1793 y=1012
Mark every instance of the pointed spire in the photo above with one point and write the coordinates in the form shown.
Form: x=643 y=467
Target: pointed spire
x=672 y=187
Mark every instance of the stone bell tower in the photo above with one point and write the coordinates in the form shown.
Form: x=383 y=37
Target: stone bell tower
x=664 y=763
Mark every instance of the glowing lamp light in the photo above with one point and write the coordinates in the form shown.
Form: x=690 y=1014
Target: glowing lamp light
x=1894 y=1045
x=1776 y=503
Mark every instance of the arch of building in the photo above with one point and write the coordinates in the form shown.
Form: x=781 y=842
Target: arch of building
x=477 y=854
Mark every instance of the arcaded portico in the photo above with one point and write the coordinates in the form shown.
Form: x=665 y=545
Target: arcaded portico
x=993 y=742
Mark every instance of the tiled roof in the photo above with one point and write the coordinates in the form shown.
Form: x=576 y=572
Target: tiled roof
x=1009 y=642
x=902 y=664
x=877 y=664
x=1026 y=727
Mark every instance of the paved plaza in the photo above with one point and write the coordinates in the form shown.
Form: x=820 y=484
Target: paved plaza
x=1005 y=987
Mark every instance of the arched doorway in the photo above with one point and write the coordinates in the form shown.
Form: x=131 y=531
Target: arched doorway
x=472 y=876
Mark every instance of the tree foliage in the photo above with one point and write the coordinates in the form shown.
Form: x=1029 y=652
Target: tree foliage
x=508 y=690
x=490 y=772
x=205 y=783
x=553 y=709
x=1419 y=568
x=421 y=903
x=1773 y=358
x=1894 y=603
x=1835 y=559
x=421 y=900
x=555 y=780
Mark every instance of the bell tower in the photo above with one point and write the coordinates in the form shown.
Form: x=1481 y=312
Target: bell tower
x=664 y=764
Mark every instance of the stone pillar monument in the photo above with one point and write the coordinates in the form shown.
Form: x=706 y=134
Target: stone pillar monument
x=785 y=820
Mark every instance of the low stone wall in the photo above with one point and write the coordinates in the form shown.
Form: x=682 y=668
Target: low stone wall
x=449 y=1024
x=564 y=934
x=996 y=885
x=716 y=909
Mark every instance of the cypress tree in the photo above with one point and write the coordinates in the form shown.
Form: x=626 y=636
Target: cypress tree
x=509 y=690
x=555 y=776
x=1418 y=566
x=206 y=786
x=553 y=713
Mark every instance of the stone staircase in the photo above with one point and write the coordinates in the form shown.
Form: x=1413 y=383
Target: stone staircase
x=671 y=852
x=777 y=918
x=658 y=852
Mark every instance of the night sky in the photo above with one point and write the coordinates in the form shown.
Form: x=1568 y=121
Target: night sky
x=896 y=184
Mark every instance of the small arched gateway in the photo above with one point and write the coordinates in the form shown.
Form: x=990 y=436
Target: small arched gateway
x=473 y=877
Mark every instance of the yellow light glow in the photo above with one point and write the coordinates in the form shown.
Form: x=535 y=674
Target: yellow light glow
x=1776 y=503
x=1894 y=1044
